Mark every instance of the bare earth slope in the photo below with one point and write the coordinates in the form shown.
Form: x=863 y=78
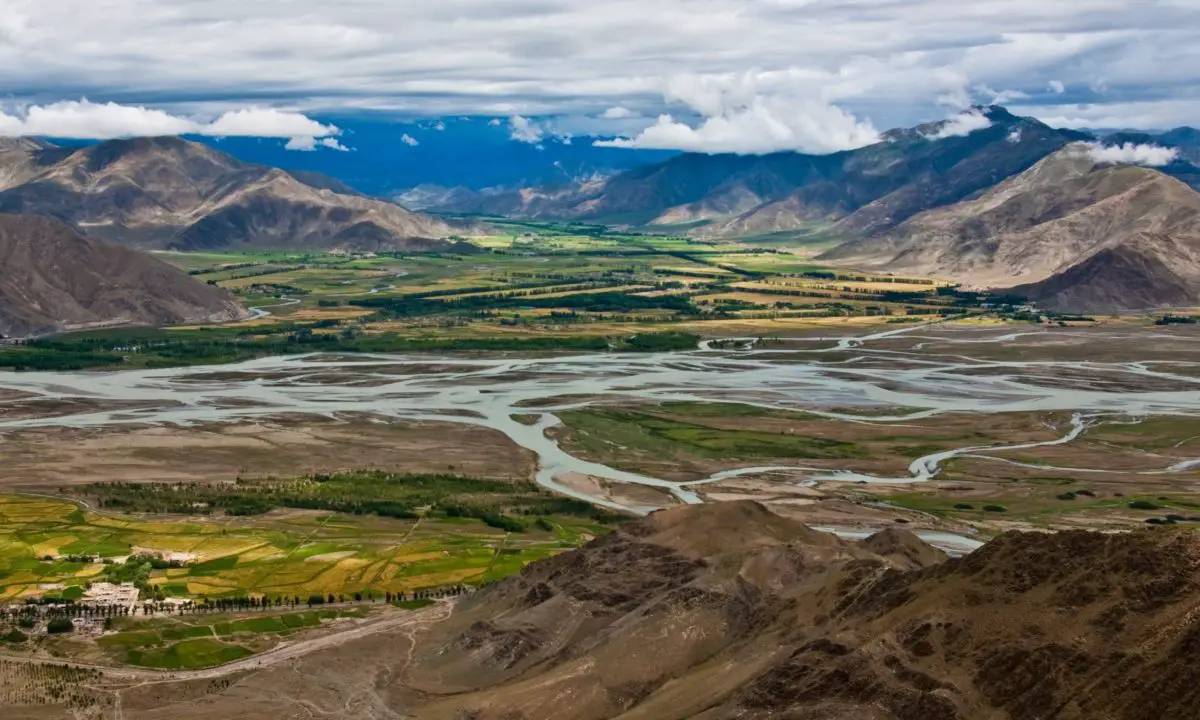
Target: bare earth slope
x=54 y=279
x=728 y=611
x=1072 y=234
x=169 y=192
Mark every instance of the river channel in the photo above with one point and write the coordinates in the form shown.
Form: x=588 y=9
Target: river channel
x=815 y=375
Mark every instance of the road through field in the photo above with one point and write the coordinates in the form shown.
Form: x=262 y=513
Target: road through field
x=389 y=621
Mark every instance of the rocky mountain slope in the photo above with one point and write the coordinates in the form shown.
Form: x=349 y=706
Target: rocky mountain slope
x=1073 y=235
x=866 y=190
x=728 y=611
x=172 y=193
x=56 y=279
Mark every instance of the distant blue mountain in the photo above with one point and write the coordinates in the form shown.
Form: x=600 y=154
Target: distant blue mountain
x=465 y=152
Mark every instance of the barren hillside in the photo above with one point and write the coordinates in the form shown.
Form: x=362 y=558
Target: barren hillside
x=728 y=611
x=1074 y=235
x=168 y=192
x=56 y=279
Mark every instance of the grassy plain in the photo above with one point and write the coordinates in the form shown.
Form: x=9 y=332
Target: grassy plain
x=189 y=642
x=531 y=287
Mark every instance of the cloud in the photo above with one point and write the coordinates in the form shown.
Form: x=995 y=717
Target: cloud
x=617 y=113
x=522 y=129
x=495 y=122
x=739 y=115
x=265 y=122
x=84 y=120
x=333 y=144
x=961 y=125
x=1000 y=97
x=886 y=61
x=409 y=140
x=310 y=144
x=1135 y=115
x=1014 y=137
x=1131 y=154
x=1057 y=87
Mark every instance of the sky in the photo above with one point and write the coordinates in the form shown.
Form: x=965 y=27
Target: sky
x=701 y=75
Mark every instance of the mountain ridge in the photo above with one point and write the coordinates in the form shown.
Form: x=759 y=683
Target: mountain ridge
x=55 y=279
x=729 y=611
x=1034 y=231
x=173 y=193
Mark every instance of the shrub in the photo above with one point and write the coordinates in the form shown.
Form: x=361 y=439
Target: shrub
x=1142 y=505
x=58 y=626
x=964 y=506
x=995 y=508
x=26 y=623
x=1067 y=496
x=15 y=636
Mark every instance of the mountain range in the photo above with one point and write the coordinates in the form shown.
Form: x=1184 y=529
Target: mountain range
x=730 y=611
x=55 y=279
x=1000 y=201
x=1069 y=233
x=877 y=186
x=1006 y=202
x=182 y=195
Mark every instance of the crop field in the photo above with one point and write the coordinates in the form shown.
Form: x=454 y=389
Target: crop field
x=44 y=544
x=567 y=287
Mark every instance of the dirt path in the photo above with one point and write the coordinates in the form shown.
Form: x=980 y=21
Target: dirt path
x=281 y=653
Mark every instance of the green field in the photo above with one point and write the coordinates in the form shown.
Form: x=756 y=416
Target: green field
x=288 y=553
x=530 y=287
x=188 y=642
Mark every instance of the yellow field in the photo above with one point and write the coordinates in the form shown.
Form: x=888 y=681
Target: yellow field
x=338 y=554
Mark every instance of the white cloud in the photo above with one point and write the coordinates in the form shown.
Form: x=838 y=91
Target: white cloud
x=1057 y=87
x=1014 y=137
x=961 y=125
x=1138 y=115
x=265 y=122
x=333 y=144
x=1131 y=154
x=740 y=115
x=81 y=119
x=522 y=129
x=409 y=140
x=439 y=126
x=302 y=144
x=495 y=122
x=617 y=113
x=887 y=61
x=1000 y=97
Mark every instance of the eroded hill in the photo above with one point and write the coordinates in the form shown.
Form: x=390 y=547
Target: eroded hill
x=169 y=192
x=1073 y=234
x=729 y=611
x=56 y=279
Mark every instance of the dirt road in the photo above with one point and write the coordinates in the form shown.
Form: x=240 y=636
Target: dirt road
x=392 y=620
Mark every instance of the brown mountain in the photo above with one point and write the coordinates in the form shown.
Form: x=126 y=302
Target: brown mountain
x=169 y=192
x=1072 y=234
x=728 y=611
x=56 y=279
x=866 y=190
